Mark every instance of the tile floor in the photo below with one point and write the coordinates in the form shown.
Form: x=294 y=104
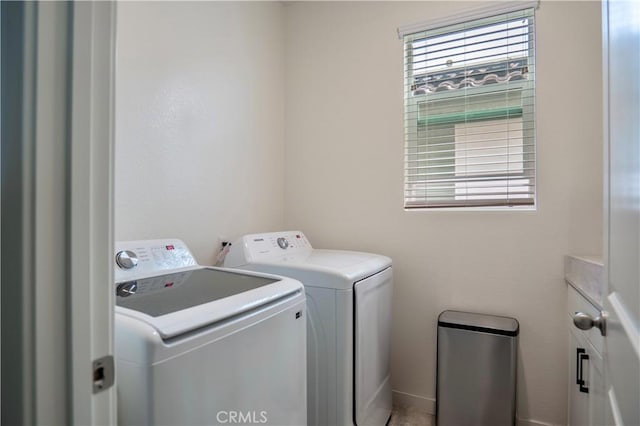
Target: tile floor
x=410 y=416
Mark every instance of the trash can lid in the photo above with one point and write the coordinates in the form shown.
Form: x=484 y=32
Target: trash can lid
x=479 y=322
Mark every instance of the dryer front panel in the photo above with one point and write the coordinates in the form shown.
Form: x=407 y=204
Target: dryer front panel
x=372 y=375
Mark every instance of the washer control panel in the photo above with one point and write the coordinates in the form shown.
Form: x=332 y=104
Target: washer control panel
x=137 y=259
x=151 y=284
x=127 y=289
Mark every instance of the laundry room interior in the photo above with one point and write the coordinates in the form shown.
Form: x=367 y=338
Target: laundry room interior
x=323 y=213
x=235 y=118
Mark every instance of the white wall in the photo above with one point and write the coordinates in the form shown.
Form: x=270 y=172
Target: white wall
x=200 y=152
x=344 y=183
x=199 y=121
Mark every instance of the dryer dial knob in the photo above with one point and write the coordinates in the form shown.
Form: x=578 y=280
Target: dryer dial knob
x=126 y=259
x=283 y=243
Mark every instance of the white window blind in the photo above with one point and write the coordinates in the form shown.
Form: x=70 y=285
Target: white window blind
x=469 y=113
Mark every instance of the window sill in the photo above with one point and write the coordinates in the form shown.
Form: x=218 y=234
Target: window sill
x=473 y=209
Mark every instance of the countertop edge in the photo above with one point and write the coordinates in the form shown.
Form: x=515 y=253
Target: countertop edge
x=584 y=294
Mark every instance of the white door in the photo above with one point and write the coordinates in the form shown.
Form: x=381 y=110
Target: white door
x=57 y=299
x=621 y=22
x=91 y=213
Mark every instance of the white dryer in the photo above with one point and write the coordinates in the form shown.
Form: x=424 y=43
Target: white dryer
x=203 y=346
x=348 y=323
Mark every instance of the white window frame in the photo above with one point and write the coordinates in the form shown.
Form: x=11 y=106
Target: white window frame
x=527 y=110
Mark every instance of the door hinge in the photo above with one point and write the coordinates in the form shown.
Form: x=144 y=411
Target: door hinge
x=103 y=373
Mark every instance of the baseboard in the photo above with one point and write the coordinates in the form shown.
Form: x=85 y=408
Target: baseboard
x=403 y=399
x=531 y=422
x=428 y=405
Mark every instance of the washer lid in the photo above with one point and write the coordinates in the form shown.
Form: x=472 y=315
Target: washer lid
x=186 y=300
x=338 y=269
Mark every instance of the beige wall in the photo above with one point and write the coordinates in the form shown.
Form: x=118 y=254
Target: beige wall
x=202 y=150
x=199 y=121
x=344 y=183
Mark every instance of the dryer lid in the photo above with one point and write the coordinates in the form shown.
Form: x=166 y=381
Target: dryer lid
x=290 y=253
x=337 y=269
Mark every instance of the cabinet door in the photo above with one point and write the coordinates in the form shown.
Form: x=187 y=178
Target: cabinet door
x=586 y=365
x=596 y=387
x=578 y=401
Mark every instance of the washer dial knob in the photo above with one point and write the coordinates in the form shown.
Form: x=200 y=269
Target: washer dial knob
x=127 y=289
x=126 y=259
x=283 y=243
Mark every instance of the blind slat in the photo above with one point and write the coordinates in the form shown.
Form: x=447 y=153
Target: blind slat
x=470 y=179
x=470 y=165
x=464 y=39
x=511 y=87
x=452 y=154
x=418 y=149
x=411 y=204
x=475 y=115
x=513 y=53
x=434 y=176
x=512 y=9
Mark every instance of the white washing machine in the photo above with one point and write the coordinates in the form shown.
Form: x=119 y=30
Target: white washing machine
x=204 y=346
x=348 y=319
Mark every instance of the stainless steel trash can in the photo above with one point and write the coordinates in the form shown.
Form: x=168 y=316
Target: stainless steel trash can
x=476 y=373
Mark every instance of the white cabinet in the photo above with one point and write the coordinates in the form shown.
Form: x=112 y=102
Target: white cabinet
x=586 y=386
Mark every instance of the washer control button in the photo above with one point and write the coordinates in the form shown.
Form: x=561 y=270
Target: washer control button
x=126 y=259
x=127 y=289
x=283 y=243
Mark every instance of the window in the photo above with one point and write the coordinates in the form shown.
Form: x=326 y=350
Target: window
x=469 y=113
